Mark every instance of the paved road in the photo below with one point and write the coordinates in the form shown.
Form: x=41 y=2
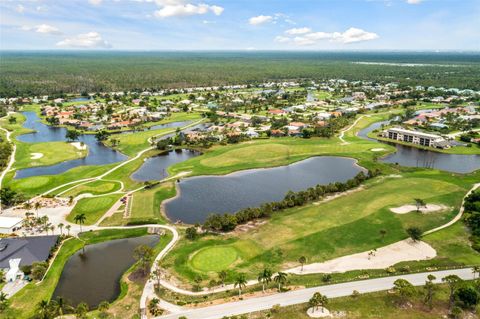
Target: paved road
x=303 y=295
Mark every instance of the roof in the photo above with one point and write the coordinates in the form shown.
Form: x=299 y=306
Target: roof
x=28 y=249
x=403 y=131
x=9 y=222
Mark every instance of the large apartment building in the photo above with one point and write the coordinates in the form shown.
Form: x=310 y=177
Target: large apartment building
x=415 y=137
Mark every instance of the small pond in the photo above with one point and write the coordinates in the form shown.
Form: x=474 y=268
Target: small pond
x=95 y=276
x=155 y=168
x=203 y=195
x=415 y=157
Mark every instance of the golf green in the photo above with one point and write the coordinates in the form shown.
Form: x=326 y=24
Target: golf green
x=214 y=258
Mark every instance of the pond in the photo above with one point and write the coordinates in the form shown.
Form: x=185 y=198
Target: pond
x=155 y=168
x=200 y=196
x=80 y=99
x=98 y=154
x=415 y=157
x=95 y=276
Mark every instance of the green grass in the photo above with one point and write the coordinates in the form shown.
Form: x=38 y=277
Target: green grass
x=147 y=203
x=53 y=153
x=24 y=302
x=214 y=258
x=93 y=208
x=339 y=227
x=95 y=188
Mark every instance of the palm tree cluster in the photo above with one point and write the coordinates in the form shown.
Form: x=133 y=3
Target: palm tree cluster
x=228 y=222
x=40 y=224
x=318 y=300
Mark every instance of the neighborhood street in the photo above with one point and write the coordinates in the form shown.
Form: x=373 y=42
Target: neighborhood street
x=303 y=295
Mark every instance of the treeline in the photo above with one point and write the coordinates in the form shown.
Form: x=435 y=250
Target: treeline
x=228 y=222
x=472 y=218
x=27 y=74
x=6 y=149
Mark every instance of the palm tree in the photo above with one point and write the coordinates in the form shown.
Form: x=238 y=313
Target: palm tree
x=302 y=260
x=429 y=291
x=27 y=205
x=419 y=203
x=222 y=275
x=68 y=229
x=37 y=206
x=103 y=308
x=240 y=282
x=52 y=228
x=43 y=310
x=60 y=226
x=265 y=277
x=80 y=219
x=280 y=279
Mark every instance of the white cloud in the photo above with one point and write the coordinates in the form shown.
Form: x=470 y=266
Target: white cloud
x=282 y=39
x=20 y=9
x=42 y=28
x=261 y=19
x=306 y=37
x=354 y=35
x=414 y=1
x=179 y=8
x=298 y=31
x=88 y=40
x=95 y=2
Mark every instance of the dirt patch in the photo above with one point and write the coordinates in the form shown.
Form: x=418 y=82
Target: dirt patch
x=137 y=276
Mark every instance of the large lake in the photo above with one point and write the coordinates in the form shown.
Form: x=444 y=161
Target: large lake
x=415 y=157
x=95 y=276
x=200 y=196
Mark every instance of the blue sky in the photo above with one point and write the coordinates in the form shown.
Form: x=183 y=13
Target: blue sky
x=240 y=25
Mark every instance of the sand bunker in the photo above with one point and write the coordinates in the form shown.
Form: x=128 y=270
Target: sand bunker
x=35 y=156
x=79 y=146
x=377 y=149
x=424 y=209
x=405 y=250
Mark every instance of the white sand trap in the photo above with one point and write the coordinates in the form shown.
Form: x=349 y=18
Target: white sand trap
x=79 y=146
x=318 y=313
x=35 y=156
x=405 y=250
x=377 y=149
x=410 y=208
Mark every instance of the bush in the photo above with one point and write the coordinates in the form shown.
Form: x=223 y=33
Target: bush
x=38 y=270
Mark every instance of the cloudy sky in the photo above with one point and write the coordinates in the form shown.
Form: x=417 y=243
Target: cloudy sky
x=240 y=24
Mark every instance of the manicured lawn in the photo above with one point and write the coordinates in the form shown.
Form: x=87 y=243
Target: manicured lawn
x=214 y=258
x=147 y=203
x=24 y=302
x=94 y=188
x=53 y=153
x=93 y=208
x=343 y=226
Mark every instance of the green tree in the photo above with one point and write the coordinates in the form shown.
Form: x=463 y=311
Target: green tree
x=103 y=309
x=81 y=311
x=429 y=291
x=101 y=135
x=415 y=233
x=419 y=203
x=4 y=302
x=72 y=135
x=37 y=206
x=280 y=278
x=42 y=311
x=191 y=233
x=453 y=282
x=144 y=255
x=467 y=296
x=404 y=290
x=240 y=282
x=153 y=307
x=265 y=277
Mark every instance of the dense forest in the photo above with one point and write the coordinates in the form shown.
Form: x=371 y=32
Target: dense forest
x=36 y=73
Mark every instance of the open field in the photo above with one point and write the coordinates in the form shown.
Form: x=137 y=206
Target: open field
x=24 y=302
x=339 y=227
x=93 y=208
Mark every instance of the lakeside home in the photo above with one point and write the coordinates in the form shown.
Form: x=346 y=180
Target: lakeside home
x=415 y=137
